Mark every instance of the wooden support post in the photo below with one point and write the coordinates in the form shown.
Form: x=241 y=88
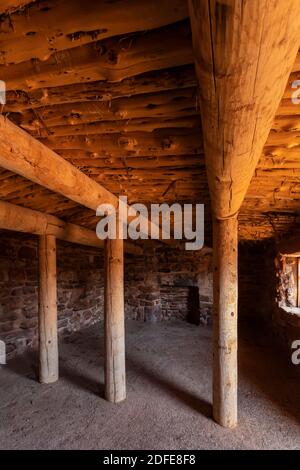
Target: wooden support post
x=115 y=385
x=225 y=322
x=48 y=347
x=235 y=59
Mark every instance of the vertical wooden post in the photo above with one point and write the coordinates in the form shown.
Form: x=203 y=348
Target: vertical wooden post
x=225 y=322
x=115 y=385
x=48 y=344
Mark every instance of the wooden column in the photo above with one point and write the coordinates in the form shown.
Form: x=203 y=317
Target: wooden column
x=48 y=347
x=115 y=385
x=244 y=53
x=225 y=321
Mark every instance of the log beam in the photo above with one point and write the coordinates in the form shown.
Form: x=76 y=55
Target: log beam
x=20 y=219
x=189 y=121
x=9 y=6
x=23 y=154
x=178 y=103
x=110 y=59
x=48 y=341
x=157 y=143
x=115 y=386
x=67 y=24
x=151 y=82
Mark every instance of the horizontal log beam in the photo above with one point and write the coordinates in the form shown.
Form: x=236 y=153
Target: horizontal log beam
x=183 y=162
x=9 y=6
x=21 y=219
x=111 y=59
x=123 y=126
x=288 y=108
x=174 y=103
x=160 y=142
x=286 y=123
x=57 y=26
x=151 y=82
x=26 y=156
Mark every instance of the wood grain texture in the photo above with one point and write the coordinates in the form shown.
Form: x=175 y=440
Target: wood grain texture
x=112 y=59
x=56 y=25
x=9 y=6
x=176 y=103
x=158 y=142
x=151 y=82
x=115 y=380
x=20 y=219
x=244 y=54
x=225 y=252
x=48 y=341
x=24 y=155
x=70 y=94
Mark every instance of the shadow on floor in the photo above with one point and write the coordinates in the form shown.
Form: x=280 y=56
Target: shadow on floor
x=261 y=362
x=81 y=381
x=25 y=365
x=190 y=399
x=265 y=364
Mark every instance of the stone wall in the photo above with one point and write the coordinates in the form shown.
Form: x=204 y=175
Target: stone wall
x=268 y=291
x=164 y=283
x=257 y=281
x=287 y=281
x=286 y=316
x=80 y=289
x=169 y=282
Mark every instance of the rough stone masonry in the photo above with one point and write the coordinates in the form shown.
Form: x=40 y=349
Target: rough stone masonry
x=163 y=283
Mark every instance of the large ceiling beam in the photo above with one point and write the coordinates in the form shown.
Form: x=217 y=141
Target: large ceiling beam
x=23 y=154
x=20 y=219
x=26 y=156
x=244 y=53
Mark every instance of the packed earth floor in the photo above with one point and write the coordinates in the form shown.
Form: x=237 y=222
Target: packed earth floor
x=168 y=402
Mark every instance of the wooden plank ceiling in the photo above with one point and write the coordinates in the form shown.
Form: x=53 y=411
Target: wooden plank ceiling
x=111 y=86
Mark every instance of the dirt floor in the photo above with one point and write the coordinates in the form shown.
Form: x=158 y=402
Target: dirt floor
x=169 y=395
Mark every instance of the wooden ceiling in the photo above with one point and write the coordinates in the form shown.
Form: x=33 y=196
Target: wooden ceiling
x=111 y=87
